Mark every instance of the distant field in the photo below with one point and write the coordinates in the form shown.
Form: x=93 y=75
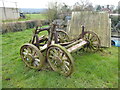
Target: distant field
x=29 y=17
x=36 y=16
x=92 y=70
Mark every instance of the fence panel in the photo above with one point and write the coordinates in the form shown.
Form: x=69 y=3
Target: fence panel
x=93 y=21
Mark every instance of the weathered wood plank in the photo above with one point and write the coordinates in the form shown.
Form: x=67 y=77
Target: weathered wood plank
x=93 y=21
x=77 y=46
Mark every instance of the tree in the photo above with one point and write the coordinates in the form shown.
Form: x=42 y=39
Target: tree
x=99 y=8
x=76 y=6
x=89 y=7
x=57 y=10
x=83 y=5
x=53 y=9
x=65 y=8
x=65 y=11
x=112 y=7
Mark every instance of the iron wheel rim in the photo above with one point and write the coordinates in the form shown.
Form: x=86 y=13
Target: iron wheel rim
x=31 y=56
x=60 y=60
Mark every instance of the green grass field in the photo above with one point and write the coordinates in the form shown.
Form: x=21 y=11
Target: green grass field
x=92 y=70
x=29 y=17
x=36 y=16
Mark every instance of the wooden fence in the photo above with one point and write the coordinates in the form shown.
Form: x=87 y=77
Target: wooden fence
x=93 y=21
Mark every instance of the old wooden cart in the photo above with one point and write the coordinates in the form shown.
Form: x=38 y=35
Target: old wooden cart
x=56 y=48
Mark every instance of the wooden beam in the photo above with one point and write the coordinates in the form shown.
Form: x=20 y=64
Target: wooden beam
x=77 y=46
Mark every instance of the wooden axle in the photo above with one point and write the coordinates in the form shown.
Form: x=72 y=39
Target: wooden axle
x=73 y=43
x=77 y=46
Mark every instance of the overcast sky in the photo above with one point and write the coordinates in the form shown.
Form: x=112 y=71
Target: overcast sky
x=44 y=3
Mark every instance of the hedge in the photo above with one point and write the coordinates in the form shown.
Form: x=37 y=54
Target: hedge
x=21 y=25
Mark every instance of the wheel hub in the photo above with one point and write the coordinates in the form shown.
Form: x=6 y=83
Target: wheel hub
x=29 y=58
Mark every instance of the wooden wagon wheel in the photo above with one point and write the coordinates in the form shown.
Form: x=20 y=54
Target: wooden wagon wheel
x=32 y=56
x=60 y=59
x=93 y=40
x=62 y=36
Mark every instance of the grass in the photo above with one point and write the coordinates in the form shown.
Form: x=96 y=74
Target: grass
x=92 y=70
x=29 y=17
x=36 y=16
x=15 y=20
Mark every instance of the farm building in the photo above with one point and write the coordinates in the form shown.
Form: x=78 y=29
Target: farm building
x=9 y=13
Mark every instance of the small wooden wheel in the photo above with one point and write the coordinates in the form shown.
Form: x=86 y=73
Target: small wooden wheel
x=93 y=40
x=32 y=56
x=62 y=36
x=60 y=59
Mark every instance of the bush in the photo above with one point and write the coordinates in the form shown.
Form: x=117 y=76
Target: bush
x=19 y=26
x=114 y=20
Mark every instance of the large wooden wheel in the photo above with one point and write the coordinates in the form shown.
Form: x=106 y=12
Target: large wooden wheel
x=32 y=56
x=62 y=36
x=60 y=59
x=93 y=40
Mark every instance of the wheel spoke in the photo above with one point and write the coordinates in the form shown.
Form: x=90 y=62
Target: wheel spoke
x=94 y=48
x=88 y=35
x=55 y=53
x=31 y=56
x=25 y=52
x=61 y=55
x=66 y=66
x=62 y=36
x=93 y=41
x=88 y=49
x=29 y=50
x=67 y=63
x=50 y=56
x=59 y=62
x=65 y=69
x=52 y=52
x=85 y=37
x=33 y=52
x=64 y=57
x=91 y=38
x=38 y=60
x=36 y=63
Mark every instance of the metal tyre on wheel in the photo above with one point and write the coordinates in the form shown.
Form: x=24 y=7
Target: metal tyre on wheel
x=32 y=56
x=60 y=60
x=93 y=41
